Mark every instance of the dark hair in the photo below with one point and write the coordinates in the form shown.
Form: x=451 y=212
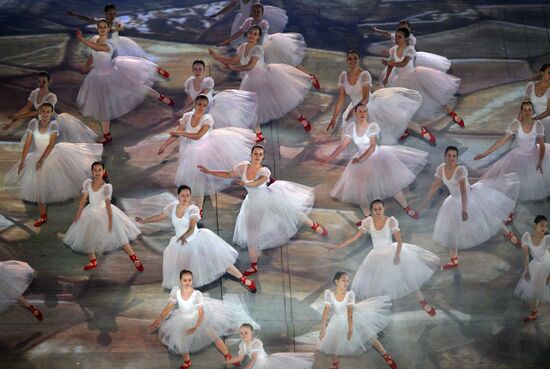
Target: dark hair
x=544 y=67
x=102 y=20
x=97 y=163
x=46 y=104
x=540 y=218
x=247 y=325
x=525 y=103
x=256 y=27
x=109 y=7
x=377 y=201
x=353 y=51
x=183 y=187
x=202 y=97
x=257 y=5
x=404 y=21
x=186 y=271
x=44 y=74
x=338 y=275
x=404 y=31
x=358 y=105
x=257 y=146
x=198 y=61
x=451 y=148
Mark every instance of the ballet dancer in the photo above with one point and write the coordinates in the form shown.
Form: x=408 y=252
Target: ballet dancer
x=15 y=278
x=539 y=94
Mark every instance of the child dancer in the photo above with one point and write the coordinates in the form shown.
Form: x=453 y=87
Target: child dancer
x=15 y=278
x=197 y=322
x=114 y=86
x=437 y=88
x=269 y=216
x=50 y=172
x=539 y=94
x=200 y=145
x=395 y=269
x=392 y=108
x=279 y=88
x=471 y=215
x=202 y=250
x=375 y=172
x=253 y=348
x=71 y=129
x=352 y=324
x=533 y=286
x=100 y=226
x=530 y=160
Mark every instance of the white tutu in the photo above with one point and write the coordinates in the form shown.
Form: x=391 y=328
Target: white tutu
x=91 y=232
x=72 y=129
x=205 y=254
x=15 y=278
x=434 y=61
x=125 y=46
x=369 y=317
x=490 y=202
x=387 y=171
x=286 y=360
x=61 y=175
x=115 y=86
x=539 y=270
x=284 y=48
x=234 y=108
x=270 y=216
x=276 y=17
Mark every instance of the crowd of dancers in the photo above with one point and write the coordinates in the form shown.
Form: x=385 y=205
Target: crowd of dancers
x=220 y=145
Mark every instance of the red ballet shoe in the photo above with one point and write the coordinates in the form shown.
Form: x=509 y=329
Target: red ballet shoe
x=410 y=212
x=450 y=265
x=43 y=219
x=458 y=120
x=106 y=139
x=305 y=123
x=358 y=223
x=200 y=213
x=509 y=237
x=405 y=134
x=335 y=365
x=163 y=72
x=430 y=312
x=510 y=219
x=91 y=265
x=252 y=270
x=186 y=364
x=229 y=357
x=531 y=316
x=251 y=287
x=315 y=82
x=427 y=135
x=36 y=313
x=388 y=359
x=317 y=225
x=259 y=137
x=137 y=263
x=170 y=100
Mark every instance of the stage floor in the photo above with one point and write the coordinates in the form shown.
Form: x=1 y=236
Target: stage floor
x=100 y=319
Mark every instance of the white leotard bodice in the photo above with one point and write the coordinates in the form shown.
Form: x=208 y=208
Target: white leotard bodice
x=256 y=51
x=256 y=346
x=410 y=52
x=97 y=198
x=540 y=253
x=540 y=103
x=527 y=142
x=339 y=308
x=185 y=122
x=50 y=97
x=253 y=192
x=181 y=225
x=381 y=239
x=190 y=307
x=206 y=84
x=355 y=92
x=460 y=173
x=101 y=59
x=362 y=142
x=41 y=140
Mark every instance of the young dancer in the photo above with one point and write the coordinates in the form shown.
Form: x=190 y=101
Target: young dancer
x=352 y=324
x=201 y=145
x=539 y=94
x=200 y=250
x=471 y=215
x=116 y=86
x=100 y=226
x=393 y=108
x=279 y=88
x=15 y=278
x=375 y=172
x=530 y=160
x=50 y=172
x=71 y=129
x=253 y=348
x=534 y=286
x=395 y=269
x=269 y=216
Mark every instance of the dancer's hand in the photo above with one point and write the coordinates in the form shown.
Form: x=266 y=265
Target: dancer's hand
x=539 y=166
x=139 y=220
x=355 y=160
x=527 y=276
x=331 y=125
x=203 y=169
x=396 y=260
x=464 y=215
x=224 y=43
x=385 y=62
x=154 y=326
x=479 y=156
x=212 y=53
x=182 y=240
x=322 y=334
x=350 y=333
x=20 y=167
x=239 y=182
x=79 y=35
x=39 y=164
x=190 y=331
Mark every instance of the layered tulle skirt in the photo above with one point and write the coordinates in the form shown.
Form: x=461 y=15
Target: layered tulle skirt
x=205 y=254
x=536 y=287
x=125 y=46
x=270 y=216
x=490 y=202
x=534 y=185
x=71 y=129
x=234 y=108
x=392 y=108
x=284 y=48
x=91 y=232
x=286 y=360
x=61 y=175
x=369 y=317
x=378 y=275
x=220 y=149
x=15 y=278
x=109 y=93
x=422 y=59
x=387 y=171
x=279 y=89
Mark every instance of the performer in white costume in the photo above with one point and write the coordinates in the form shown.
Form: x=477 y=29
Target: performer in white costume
x=539 y=94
